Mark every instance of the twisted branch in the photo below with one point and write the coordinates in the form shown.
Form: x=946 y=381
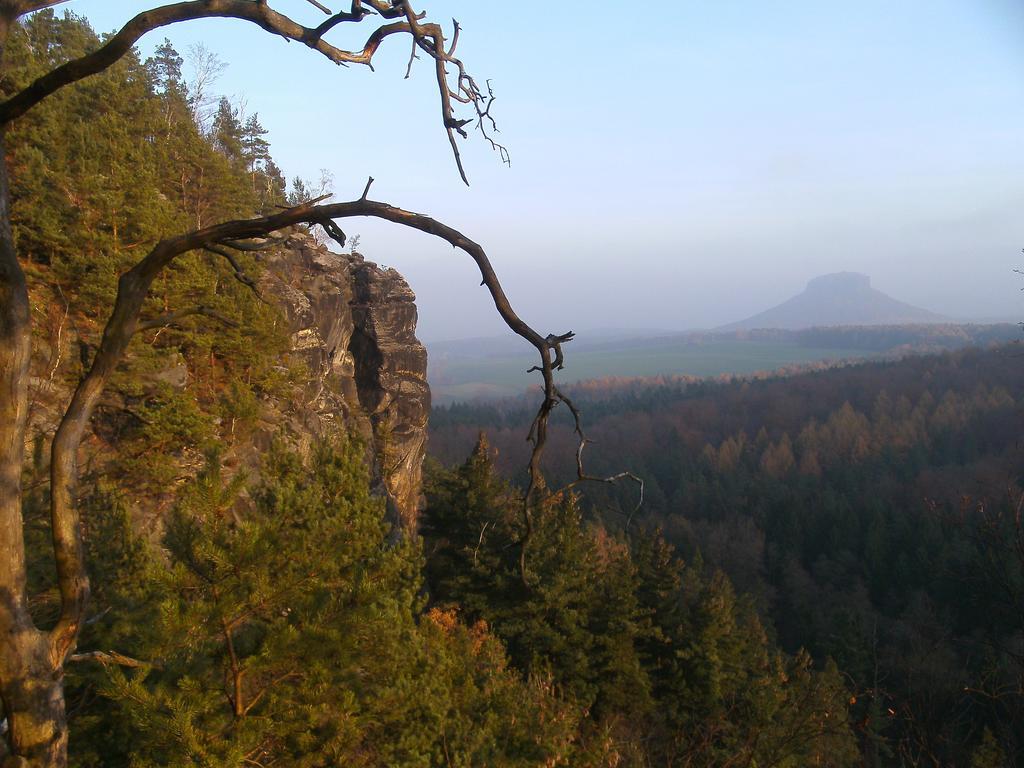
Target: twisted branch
x=581 y=475
x=428 y=37
x=124 y=322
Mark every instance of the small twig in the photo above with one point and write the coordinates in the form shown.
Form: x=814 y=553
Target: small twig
x=112 y=657
x=259 y=696
x=412 y=57
x=455 y=37
x=320 y=7
x=480 y=542
x=59 y=344
x=366 y=189
x=98 y=617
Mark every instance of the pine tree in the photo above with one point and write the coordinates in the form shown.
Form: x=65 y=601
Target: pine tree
x=255 y=149
x=289 y=630
x=164 y=68
x=228 y=132
x=669 y=664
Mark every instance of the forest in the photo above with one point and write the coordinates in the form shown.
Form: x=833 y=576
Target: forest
x=870 y=513
x=826 y=569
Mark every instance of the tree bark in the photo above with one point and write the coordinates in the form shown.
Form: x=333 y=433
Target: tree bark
x=33 y=695
x=31 y=674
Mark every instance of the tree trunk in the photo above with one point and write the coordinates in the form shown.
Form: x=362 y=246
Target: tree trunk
x=33 y=695
x=31 y=678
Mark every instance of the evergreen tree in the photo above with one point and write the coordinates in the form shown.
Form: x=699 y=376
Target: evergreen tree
x=164 y=68
x=988 y=754
x=290 y=630
x=275 y=188
x=228 y=132
x=255 y=149
x=669 y=665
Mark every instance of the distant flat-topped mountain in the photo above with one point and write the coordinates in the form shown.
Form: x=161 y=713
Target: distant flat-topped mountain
x=842 y=298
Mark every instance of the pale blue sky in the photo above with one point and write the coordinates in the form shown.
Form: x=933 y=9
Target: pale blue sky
x=676 y=168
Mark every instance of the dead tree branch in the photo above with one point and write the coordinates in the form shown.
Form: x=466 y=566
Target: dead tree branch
x=240 y=274
x=124 y=322
x=428 y=37
x=581 y=475
x=111 y=657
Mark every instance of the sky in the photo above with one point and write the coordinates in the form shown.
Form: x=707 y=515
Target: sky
x=673 y=165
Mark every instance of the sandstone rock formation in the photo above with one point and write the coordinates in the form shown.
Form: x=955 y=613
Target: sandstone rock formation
x=354 y=324
x=351 y=324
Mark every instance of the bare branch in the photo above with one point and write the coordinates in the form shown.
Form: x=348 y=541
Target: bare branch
x=319 y=7
x=366 y=189
x=112 y=657
x=263 y=244
x=582 y=476
x=171 y=318
x=240 y=274
x=456 y=29
x=412 y=57
x=427 y=37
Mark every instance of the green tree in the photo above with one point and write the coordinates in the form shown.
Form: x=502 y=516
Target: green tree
x=165 y=69
x=291 y=631
x=255 y=149
x=579 y=618
x=228 y=132
x=669 y=665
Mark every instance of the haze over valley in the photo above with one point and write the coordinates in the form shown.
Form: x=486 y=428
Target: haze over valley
x=838 y=317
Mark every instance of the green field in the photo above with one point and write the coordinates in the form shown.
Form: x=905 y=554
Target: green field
x=467 y=378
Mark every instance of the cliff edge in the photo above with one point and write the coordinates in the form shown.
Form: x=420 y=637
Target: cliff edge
x=354 y=325
x=347 y=361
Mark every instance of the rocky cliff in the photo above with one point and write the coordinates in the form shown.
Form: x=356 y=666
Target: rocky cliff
x=350 y=363
x=354 y=325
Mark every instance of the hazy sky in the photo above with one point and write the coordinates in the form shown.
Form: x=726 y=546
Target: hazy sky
x=677 y=167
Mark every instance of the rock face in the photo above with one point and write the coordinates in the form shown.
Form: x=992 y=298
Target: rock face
x=842 y=298
x=354 y=324
x=351 y=324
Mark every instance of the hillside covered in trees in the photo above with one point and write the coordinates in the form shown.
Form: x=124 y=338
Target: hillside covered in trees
x=272 y=615
x=871 y=513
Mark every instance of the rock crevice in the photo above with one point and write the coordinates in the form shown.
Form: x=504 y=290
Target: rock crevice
x=354 y=325
x=350 y=323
